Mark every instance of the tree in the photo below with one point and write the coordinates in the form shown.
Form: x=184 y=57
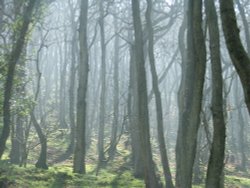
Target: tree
x=216 y=161
x=133 y=116
x=158 y=101
x=42 y=160
x=245 y=24
x=79 y=153
x=12 y=61
x=143 y=118
x=190 y=95
x=238 y=55
x=101 y=154
x=113 y=140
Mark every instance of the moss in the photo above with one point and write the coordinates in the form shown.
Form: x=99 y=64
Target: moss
x=237 y=181
x=126 y=179
x=62 y=176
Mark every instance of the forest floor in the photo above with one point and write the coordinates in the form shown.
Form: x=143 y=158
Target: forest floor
x=116 y=174
x=61 y=176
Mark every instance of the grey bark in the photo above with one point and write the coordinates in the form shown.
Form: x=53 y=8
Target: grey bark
x=245 y=24
x=101 y=155
x=190 y=95
x=133 y=118
x=235 y=48
x=158 y=101
x=216 y=161
x=150 y=178
x=80 y=151
x=113 y=141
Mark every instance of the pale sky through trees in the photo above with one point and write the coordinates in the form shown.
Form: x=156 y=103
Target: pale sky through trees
x=125 y=93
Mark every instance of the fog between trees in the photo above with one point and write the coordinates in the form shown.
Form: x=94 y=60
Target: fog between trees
x=168 y=82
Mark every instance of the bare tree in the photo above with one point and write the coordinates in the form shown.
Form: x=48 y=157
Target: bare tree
x=143 y=118
x=79 y=153
x=235 y=48
x=101 y=154
x=215 y=175
x=158 y=101
x=190 y=95
x=113 y=140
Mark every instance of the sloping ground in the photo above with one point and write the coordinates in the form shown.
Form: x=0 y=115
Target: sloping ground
x=116 y=174
x=61 y=176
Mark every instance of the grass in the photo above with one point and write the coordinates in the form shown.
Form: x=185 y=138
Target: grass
x=62 y=176
x=116 y=174
x=236 y=181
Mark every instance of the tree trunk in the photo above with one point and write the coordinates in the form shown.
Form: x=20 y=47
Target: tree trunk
x=158 y=102
x=42 y=161
x=63 y=80
x=133 y=117
x=235 y=48
x=12 y=61
x=242 y=129
x=80 y=151
x=72 y=86
x=150 y=178
x=190 y=95
x=113 y=141
x=101 y=155
x=17 y=140
x=245 y=24
x=72 y=95
x=216 y=160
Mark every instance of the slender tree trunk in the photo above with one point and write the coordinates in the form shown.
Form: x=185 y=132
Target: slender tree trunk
x=242 y=129
x=242 y=142
x=72 y=95
x=190 y=95
x=42 y=160
x=216 y=161
x=158 y=102
x=150 y=178
x=133 y=117
x=12 y=61
x=101 y=155
x=63 y=80
x=197 y=176
x=113 y=141
x=245 y=24
x=236 y=50
x=80 y=149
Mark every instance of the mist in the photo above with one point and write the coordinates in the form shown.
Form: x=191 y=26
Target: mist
x=111 y=93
